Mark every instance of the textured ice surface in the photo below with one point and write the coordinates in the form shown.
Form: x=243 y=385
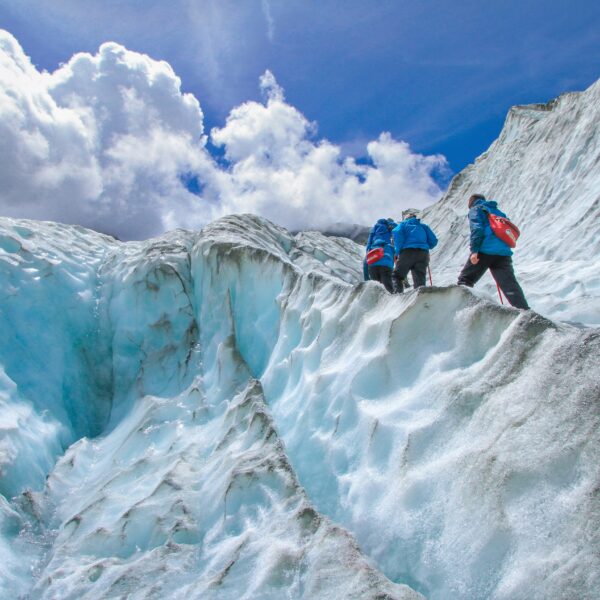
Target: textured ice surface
x=54 y=360
x=543 y=170
x=124 y=362
x=232 y=414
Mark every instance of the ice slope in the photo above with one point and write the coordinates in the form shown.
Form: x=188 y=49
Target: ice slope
x=544 y=172
x=232 y=414
x=458 y=441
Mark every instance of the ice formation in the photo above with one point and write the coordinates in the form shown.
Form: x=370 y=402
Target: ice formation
x=230 y=410
x=233 y=413
x=175 y=481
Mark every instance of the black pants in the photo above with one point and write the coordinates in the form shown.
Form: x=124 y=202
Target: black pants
x=414 y=260
x=383 y=275
x=502 y=271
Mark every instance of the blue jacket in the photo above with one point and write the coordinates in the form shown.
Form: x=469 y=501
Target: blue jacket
x=381 y=237
x=483 y=238
x=411 y=233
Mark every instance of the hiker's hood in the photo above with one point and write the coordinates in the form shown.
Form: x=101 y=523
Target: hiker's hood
x=487 y=203
x=386 y=223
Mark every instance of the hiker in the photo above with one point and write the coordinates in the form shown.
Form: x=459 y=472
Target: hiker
x=380 y=253
x=488 y=251
x=412 y=240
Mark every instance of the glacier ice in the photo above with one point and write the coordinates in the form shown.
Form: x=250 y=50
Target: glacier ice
x=53 y=360
x=165 y=471
x=233 y=413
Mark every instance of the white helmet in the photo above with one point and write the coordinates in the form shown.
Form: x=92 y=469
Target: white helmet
x=410 y=212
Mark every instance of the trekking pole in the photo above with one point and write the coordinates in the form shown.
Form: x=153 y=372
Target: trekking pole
x=430 y=279
x=499 y=293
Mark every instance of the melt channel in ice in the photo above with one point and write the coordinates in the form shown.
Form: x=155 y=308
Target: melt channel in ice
x=232 y=414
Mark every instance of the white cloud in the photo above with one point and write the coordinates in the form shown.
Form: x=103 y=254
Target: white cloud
x=270 y=88
x=104 y=140
x=279 y=171
x=100 y=142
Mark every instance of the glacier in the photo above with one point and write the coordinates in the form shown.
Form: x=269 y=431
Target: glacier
x=140 y=457
x=234 y=413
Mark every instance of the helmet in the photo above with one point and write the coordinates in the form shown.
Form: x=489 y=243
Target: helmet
x=410 y=212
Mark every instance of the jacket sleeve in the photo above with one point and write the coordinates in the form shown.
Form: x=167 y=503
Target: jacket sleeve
x=431 y=239
x=477 y=225
x=369 y=241
x=398 y=234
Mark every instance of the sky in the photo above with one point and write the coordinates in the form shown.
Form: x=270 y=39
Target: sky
x=305 y=112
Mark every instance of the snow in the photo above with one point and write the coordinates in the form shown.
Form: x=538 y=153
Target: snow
x=233 y=413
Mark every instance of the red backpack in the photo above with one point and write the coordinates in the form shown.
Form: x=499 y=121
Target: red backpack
x=503 y=228
x=374 y=255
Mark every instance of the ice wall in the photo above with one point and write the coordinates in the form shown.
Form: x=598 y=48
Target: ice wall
x=254 y=422
x=543 y=171
x=456 y=440
x=53 y=355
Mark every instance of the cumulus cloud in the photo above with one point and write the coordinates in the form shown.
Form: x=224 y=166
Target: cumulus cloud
x=101 y=142
x=281 y=171
x=109 y=141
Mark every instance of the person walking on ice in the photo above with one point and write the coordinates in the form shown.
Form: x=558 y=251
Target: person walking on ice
x=412 y=241
x=380 y=253
x=488 y=251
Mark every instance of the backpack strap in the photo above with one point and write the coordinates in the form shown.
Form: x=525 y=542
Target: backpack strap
x=487 y=212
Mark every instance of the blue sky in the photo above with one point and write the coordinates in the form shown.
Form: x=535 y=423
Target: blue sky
x=304 y=112
x=439 y=75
